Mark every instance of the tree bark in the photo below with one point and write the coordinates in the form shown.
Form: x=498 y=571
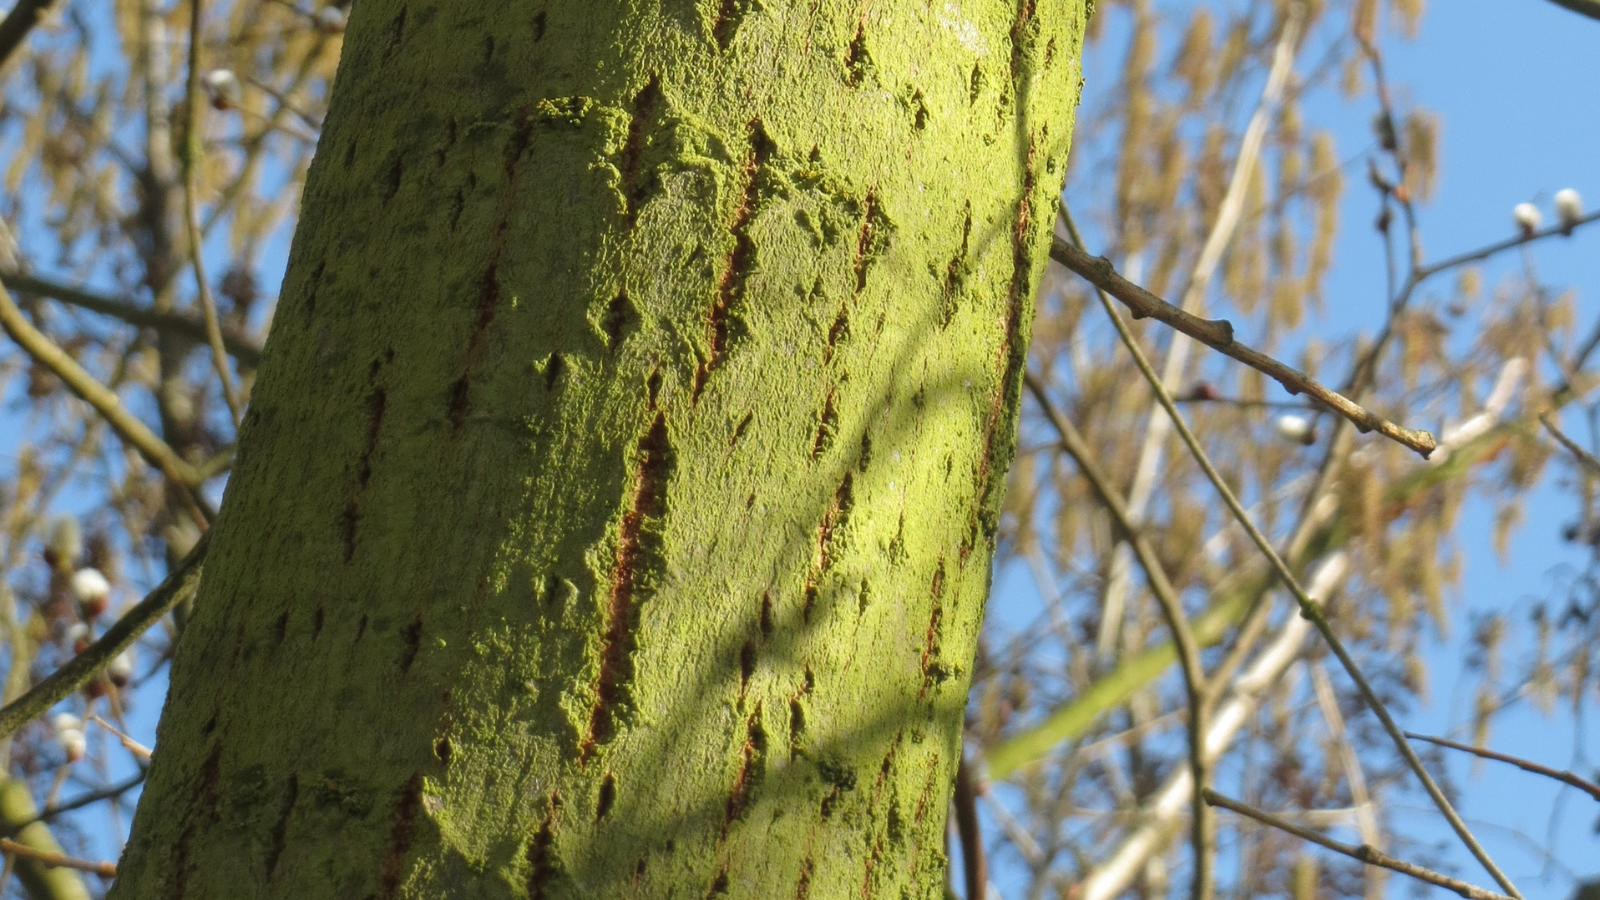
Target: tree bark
x=614 y=511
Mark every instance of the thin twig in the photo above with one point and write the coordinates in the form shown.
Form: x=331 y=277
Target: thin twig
x=58 y=860
x=130 y=429
x=1218 y=237
x=1218 y=334
x=179 y=585
x=243 y=348
x=1309 y=608
x=1583 y=456
x=973 y=862
x=1194 y=678
x=1365 y=852
x=132 y=746
x=82 y=800
x=194 y=151
x=18 y=23
x=1562 y=775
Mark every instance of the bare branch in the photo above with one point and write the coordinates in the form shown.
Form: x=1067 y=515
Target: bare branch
x=192 y=156
x=245 y=350
x=1218 y=334
x=1562 y=775
x=128 y=427
x=973 y=861
x=1310 y=609
x=179 y=585
x=18 y=23
x=1365 y=852
x=1589 y=8
x=1583 y=456
x=58 y=860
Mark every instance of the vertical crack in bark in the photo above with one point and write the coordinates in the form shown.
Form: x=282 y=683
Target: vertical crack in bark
x=729 y=15
x=1012 y=359
x=636 y=182
x=280 y=828
x=827 y=425
x=634 y=555
x=543 y=868
x=402 y=831
x=377 y=405
x=836 y=517
x=867 y=240
x=955 y=274
x=752 y=769
x=203 y=812
x=1021 y=39
x=741 y=261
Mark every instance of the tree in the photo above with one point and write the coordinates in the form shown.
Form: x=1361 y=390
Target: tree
x=615 y=503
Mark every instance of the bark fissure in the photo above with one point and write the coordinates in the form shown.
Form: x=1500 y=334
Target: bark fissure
x=632 y=557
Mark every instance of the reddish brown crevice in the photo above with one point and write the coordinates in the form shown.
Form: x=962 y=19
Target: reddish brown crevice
x=636 y=185
x=839 y=330
x=541 y=20
x=802 y=888
x=827 y=425
x=543 y=868
x=317 y=620
x=856 y=58
x=864 y=241
x=1021 y=38
x=797 y=713
x=729 y=15
x=747 y=665
x=836 y=517
x=752 y=768
x=1012 y=360
x=765 y=622
x=738 y=431
x=719 y=885
x=280 y=829
x=280 y=629
x=955 y=273
x=633 y=556
x=488 y=300
x=932 y=670
x=402 y=830
x=741 y=261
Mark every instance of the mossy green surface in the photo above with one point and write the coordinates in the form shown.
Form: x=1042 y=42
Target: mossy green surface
x=614 y=512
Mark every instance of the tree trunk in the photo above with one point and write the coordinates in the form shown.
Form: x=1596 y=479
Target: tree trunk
x=614 y=512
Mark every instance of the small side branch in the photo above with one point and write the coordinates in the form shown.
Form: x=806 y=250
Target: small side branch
x=1527 y=765
x=1365 y=852
x=58 y=860
x=80 y=382
x=1583 y=456
x=1218 y=335
x=18 y=23
x=243 y=349
x=178 y=586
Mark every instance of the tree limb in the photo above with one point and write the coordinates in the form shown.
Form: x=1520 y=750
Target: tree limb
x=245 y=350
x=1364 y=853
x=128 y=427
x=179 y=585
x=1526 y=765
x=18 y=23
x=1218 y=334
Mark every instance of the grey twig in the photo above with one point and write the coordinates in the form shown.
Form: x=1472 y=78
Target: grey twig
x=1365 y=852
x=178 y=586
x=1218 y=334
x=1527 y=765
x=1583 y=456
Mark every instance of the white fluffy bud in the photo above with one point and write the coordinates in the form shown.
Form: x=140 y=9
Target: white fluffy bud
x=90 y=587
x=1527 y=217
x=224 y=88
x=66 y=541
x=75 y=744
x=120 y=669
x=65 y=721
x=1297 y=429
x=1569 y=207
